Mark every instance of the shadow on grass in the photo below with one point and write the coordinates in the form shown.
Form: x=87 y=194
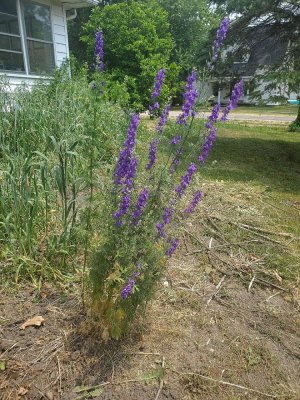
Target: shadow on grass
x=272 y=162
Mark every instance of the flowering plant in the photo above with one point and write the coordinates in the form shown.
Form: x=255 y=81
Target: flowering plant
x=145 y=196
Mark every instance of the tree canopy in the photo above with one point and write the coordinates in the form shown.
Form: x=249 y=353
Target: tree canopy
x=259 y=20
x=138 y=43
x=190 y=23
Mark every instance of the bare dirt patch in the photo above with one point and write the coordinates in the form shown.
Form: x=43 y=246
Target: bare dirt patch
x=224 y=323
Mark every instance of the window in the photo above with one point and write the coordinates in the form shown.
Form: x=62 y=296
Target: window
x=11 y=54
x=39 y=37
x=26 y=43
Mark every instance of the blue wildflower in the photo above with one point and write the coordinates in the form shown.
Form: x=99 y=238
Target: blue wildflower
x=163 y=118
x=123 y=208
x=127 y=164
x=236 y=94
x=159 y=80
x=140 y=205
x=99 y=51
x=160 y=229
x=208 y=145
x=173 y=247
x=194 y=202
x=186 y=180
x=220 y=37
x=152 y=154
x=176 y=139
x=131 y=282
x=190 y=97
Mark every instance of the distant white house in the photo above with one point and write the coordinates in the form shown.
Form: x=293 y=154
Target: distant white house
x=34 y=37
x=264 y=51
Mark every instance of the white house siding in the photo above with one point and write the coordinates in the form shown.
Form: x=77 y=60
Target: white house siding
x=60 y=34
x=265 y=95
x=60 y=43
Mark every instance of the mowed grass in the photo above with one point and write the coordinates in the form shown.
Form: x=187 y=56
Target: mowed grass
x=252 y=176
x=258 y=167
x=266 y=155
x=283 y=110
x=289 y=109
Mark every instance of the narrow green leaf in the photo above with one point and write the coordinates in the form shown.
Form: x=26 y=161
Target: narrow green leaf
x=2 y=365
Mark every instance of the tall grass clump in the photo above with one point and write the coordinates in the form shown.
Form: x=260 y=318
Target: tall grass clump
x=144 y=197
x=56 y=142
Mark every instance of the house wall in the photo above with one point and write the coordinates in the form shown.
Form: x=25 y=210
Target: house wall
x=246 y=98
x=60 y=43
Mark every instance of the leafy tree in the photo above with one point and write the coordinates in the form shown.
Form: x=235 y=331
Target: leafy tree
x=277 y=19
x=77 y=47
x=138 y=42
x=190 y=22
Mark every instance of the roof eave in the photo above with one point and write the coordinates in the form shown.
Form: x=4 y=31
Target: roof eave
x=69 y=4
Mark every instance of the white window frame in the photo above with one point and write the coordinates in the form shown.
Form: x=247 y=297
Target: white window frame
x=24 y=38
x=21 y=40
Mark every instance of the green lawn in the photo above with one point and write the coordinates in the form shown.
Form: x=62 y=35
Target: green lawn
x=288 y=110
x=252 y=176
x=268 y=110
x=264 y=155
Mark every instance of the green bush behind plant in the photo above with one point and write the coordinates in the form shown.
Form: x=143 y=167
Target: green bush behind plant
x=138 y=43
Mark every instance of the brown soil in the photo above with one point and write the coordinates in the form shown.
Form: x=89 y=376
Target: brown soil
x=240 y=337
x=211 y=333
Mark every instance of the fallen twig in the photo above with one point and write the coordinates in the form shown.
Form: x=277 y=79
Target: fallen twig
x=267 y=231
x=251 y=283
x=161 y=383
x=267 y=283
x=273 y=295
x=142 y=354
x=218 y=288
x=221 y=382
x=225 y=245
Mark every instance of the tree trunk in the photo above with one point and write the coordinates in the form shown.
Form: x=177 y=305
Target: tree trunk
x=295 y=126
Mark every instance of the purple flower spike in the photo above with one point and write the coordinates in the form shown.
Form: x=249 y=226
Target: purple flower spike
x=213 y=118
x=208 y=145
x=99 y=51
x=220 y=37
x=176 y=139
x=163 y=118
x=190 y=97
x=152 y=154
x=159 y=80
x=126 y=169
x=126 y=166
x=236 y=94
x=212 y=134
x=131 y=282
x=123 y=208
x=140 y=205
x=168 y=215
x=160 y=229
x=186 y=180
x=128 y=289
x=193 y=204
x=173 y=247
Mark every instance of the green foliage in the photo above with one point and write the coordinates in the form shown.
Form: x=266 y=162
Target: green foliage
x=114 y=259
x=54 y=139
x=190 y=25
x=257 y=21
x=137 y=44
x=119 y=249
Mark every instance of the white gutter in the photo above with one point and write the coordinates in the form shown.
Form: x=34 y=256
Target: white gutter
x=69 y=4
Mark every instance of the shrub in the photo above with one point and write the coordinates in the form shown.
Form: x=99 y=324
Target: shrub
x=138 y=43
x=145 y=196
